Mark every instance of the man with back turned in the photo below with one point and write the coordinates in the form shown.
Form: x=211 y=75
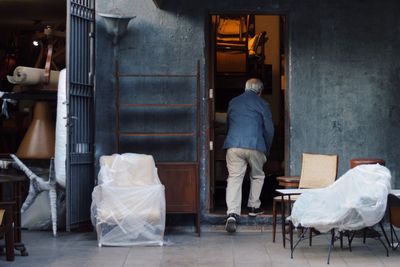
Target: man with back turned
x=249 y=138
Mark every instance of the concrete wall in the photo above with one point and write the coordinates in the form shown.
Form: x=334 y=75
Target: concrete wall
x=344 y=81
x=343 y=71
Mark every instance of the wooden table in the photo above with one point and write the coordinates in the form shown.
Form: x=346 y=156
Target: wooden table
x=16 y=181
x=288 y=181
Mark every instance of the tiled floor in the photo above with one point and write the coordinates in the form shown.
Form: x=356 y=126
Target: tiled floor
x=250 y=246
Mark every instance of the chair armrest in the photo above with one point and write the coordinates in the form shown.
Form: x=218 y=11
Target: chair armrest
x=288 y=181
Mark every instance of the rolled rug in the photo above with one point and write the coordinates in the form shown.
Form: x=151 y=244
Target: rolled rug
x=32 y=76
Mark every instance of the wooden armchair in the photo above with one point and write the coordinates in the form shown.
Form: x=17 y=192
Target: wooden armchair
x=7 y=228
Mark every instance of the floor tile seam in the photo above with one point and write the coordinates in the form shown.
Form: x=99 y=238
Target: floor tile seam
x=348 y=263
x=303 y=256
x=232 y=250
x=331 y=260
x=268 y=251
x=373 y=252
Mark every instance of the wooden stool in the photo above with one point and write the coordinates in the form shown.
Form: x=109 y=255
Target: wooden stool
x=359 y=161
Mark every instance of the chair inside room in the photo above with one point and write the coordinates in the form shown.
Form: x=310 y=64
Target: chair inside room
x=239 y=49
x=317 y=171
x=7 y=228
x=394 y=219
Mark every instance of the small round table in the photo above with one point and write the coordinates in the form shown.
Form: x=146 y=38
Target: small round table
x=359 y=161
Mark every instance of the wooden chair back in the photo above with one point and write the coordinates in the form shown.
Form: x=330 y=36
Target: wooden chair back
x=318 y=170
x=394 y=210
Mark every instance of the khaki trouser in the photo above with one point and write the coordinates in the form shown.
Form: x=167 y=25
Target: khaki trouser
x=236 y=161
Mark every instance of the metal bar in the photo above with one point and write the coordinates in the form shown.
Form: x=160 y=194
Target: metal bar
x=301 y=238
x=156 y=75
x=198 y=111
x=69 y=34
x=350 y=239
x=158 y=3
x=80 y=7
x=383 y=243
x=341 y=239
x=331 y=244
x=156 y=105
x=117 y=93
x=39 y=95
x=283 y=220
x=80 y=50
x=291 y=239
x=397 y=239
x=156 y=134
x=386 y=238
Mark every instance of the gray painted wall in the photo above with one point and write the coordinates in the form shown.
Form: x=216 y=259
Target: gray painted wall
x=343 y=68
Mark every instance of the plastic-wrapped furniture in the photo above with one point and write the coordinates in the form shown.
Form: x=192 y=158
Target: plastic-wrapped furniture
x=353 y=202
x=317 y=171
x=128 y=204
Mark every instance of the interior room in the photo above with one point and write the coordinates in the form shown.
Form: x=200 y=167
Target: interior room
x=33 y=40
x=244 y=46
x=32 y=53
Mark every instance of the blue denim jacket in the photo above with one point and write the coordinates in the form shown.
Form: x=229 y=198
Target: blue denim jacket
x=249 y=123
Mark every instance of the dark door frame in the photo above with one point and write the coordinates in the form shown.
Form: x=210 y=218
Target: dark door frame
x=210 y=84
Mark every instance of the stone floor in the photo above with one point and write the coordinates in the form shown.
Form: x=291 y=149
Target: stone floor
x=250 y=246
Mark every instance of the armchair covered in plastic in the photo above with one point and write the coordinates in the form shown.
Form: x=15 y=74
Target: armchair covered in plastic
x=128 y=204
x=356 y=200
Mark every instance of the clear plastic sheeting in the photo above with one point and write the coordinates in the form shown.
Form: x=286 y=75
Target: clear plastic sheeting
x=128 y=204
x=356 y=200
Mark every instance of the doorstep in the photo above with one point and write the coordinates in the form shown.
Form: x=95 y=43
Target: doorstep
x=245 y=220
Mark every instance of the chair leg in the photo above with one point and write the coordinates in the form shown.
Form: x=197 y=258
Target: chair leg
x=273 y=220
x=9 y=231
x=350 y=238
x=291 y=239
x=386 y=238
x=302 y=231
x=384 y=233
x=397 y=239
x=197 y=223
x=283 y=223
x=9 y=239
x=331 y=244
x=341 y=239
x=364 y=235
x=384 y=245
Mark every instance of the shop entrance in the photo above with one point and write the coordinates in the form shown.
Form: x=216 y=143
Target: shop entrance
x=243 y=46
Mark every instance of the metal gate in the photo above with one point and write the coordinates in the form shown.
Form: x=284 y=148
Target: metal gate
x=80 y=98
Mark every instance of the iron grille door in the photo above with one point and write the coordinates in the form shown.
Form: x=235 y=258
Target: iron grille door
x=80 y=97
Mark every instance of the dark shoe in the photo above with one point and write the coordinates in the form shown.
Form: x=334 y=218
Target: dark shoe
x=231 y=221
x=253 y=212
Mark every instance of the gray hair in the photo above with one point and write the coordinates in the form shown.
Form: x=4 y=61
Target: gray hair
x=255 y=85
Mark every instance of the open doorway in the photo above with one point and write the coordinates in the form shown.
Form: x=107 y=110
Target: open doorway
x=243 y=46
